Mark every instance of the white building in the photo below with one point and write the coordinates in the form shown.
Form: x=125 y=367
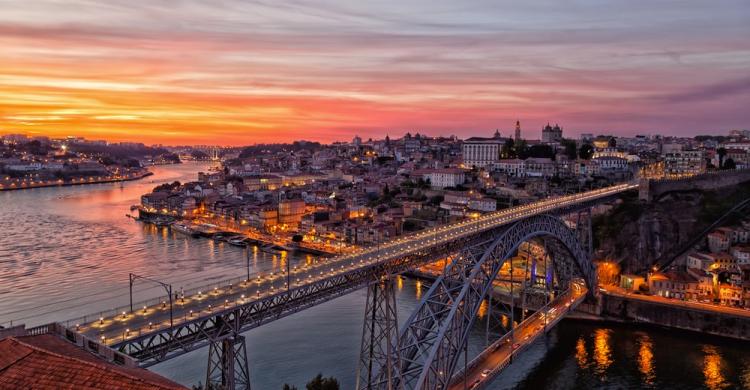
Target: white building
x=539 y=167
x=611 y=163
x=512 y=167
x=483 y=204
x=448 y=177
x=482 y=152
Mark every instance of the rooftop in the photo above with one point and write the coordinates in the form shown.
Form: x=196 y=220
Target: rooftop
x=48 y=362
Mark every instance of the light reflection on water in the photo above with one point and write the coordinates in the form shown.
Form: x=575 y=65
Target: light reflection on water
x=646 y=360
x=712 y=368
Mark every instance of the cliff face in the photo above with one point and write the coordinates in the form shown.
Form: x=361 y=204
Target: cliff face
x=636 y=234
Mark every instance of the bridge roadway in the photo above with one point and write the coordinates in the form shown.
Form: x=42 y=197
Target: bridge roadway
x=488 y=364
x=329 y=278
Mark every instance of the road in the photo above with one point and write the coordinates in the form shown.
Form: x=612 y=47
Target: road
x=499 y=354
x=617 y=291
x=120 y=324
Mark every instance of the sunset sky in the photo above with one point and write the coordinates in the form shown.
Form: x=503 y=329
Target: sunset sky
x=240 y=72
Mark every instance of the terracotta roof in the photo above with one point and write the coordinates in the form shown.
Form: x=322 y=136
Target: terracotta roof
x=49 y=362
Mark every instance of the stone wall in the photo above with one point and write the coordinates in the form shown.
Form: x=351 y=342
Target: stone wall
x=653 y=189
x=626 y=310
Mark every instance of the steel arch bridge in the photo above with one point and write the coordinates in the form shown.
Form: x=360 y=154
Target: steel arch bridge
x=427 y=349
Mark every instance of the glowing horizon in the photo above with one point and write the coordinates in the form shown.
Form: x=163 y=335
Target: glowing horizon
x=231 y=72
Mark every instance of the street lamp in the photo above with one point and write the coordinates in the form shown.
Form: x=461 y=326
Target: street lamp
x=167 y=287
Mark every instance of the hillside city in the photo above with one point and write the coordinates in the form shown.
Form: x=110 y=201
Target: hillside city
x=329 y=199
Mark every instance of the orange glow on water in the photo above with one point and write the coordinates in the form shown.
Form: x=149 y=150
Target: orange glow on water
x=582 y=357
x=646 y=360
x=602 y=351
x=712 y=364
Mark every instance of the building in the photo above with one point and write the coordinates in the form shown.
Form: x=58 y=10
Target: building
x=551 y=134
x=632 y=282
x=684 y=162
x=512 y=167
x=483 y=204
x=677 y=285
x=718 y=242
x=291 y=211
x=539 y=167
x=482 y=152
x=518 y=131
x=447 y=177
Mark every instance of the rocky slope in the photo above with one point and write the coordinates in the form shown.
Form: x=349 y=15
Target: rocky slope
x=637 y=234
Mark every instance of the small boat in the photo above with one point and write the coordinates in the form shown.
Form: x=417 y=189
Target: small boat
x=237 y=241
x=185 y=229
x=270 y=248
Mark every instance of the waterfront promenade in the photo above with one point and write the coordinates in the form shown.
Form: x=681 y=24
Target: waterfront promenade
x=14 y=185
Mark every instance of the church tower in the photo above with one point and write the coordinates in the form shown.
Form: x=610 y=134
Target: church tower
x=518 y=130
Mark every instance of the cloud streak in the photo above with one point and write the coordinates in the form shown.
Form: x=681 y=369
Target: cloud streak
x=236 y=72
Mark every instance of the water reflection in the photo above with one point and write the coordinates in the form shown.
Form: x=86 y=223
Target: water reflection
x=582 y=357
x=714 y=378
x=602 y=351
x=646 y=360
x=419 y=289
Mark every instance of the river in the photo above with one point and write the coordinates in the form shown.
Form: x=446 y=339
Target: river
x=67 y=251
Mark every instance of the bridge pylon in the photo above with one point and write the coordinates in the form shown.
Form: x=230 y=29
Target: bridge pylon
x=379 y=337
x=228 y=367
x=584 y=230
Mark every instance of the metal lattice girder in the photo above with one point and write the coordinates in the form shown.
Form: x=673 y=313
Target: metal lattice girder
x=228 y=368
x=436 y=332
x=379 y=334
x=163 y=344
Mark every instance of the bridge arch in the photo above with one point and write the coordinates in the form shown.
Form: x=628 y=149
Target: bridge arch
x=430 y=343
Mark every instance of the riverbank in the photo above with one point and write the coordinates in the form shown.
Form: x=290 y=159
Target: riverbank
x=222 y=233
x=74 y=182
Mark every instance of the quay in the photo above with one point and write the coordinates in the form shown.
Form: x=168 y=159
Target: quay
x=5 y=186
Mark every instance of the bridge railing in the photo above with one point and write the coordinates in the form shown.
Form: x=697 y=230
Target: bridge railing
x=162 y=299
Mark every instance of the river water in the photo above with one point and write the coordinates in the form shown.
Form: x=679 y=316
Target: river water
x=67 y=251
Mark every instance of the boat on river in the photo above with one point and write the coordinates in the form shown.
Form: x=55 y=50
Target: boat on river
x=185 y=229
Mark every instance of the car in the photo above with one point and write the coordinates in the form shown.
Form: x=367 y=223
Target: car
x=515 y=346
x=486 y=372
x=528 y=336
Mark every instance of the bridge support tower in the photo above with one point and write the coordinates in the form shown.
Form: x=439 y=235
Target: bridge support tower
x=228 y=368
x=379 y=336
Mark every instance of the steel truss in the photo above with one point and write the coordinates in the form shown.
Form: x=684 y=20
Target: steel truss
x=379 y=335
x=163 y=344
x=228 y=368
x=436 y=332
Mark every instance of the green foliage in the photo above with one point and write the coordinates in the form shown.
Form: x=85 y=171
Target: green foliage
x=586 y=151
x=571 y=150
x=321 y=383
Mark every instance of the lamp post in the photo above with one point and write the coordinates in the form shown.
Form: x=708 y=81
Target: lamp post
x=167 y=287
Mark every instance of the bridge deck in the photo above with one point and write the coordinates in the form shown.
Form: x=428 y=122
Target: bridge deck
x=121 y=328
x=485 y=367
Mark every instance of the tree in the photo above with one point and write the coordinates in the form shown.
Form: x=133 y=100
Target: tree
x=586 y=151
x=297 y=238
x=722 y=152
x=613 y=142
x=321 y=383
x=571 y=151
x=288 y=387
x=729 y=164
x=508 y=150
